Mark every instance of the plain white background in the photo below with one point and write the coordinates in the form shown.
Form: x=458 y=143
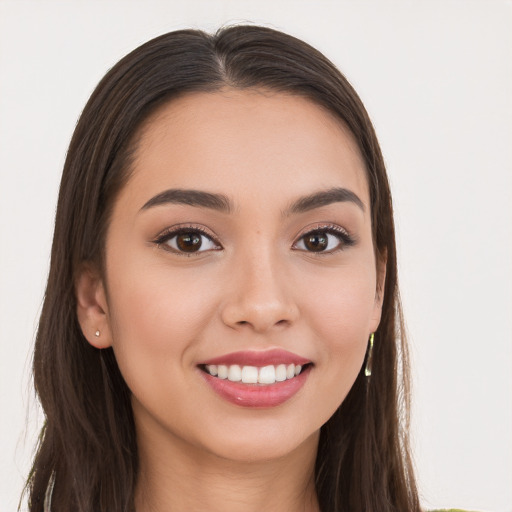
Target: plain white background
x=436 y=77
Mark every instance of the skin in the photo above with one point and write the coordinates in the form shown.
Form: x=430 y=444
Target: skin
x=255 y=287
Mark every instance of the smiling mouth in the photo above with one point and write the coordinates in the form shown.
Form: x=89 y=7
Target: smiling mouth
x=256 y=375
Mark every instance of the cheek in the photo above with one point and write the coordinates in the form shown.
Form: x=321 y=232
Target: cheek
x=340 y=316
x=158 y=301
x=157 y=316
x=342 y=308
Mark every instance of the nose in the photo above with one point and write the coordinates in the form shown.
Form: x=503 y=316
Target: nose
x=259 y=296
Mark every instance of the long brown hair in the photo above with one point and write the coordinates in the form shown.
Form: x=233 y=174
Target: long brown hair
x=87 y=446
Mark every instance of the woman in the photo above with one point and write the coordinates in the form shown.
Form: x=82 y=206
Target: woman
x=221 y=327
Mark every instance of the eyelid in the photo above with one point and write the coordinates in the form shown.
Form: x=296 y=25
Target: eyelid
x=346 y=239
x=172 y=231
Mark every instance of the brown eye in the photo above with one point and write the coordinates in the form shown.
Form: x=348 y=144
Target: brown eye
x=325 y=240
x=188 y=242
x=316 y=242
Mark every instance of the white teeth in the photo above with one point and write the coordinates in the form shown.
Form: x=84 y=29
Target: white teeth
x=235 y=373
x=222 y=371
x=249 y=375
x=281 y=373
x=253 y=375
x=267 y=375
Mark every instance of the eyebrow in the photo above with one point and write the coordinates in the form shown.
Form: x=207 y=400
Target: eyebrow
x=197 y=198
x=324 y=198
x=221 y=203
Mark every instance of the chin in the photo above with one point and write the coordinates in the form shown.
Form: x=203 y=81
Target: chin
x=270 y=441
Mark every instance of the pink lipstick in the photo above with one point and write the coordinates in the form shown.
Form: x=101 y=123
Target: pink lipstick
x=258 y=379
x=258 y=358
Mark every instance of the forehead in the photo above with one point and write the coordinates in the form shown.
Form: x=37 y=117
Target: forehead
x=249 y=140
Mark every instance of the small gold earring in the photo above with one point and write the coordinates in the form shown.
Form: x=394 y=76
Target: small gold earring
x=368 y=367
x=97 y=333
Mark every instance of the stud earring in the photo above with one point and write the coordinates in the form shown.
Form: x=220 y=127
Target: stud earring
x=368 y=367
x=97 y=333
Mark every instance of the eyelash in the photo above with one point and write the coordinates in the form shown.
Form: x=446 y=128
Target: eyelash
x=174 y=232
x=344 y=238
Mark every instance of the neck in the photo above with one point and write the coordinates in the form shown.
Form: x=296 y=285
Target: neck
x=176 y=476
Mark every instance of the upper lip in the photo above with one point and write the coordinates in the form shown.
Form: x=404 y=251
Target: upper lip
x=258 y=358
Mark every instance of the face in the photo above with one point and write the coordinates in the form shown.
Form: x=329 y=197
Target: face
x=241 y=243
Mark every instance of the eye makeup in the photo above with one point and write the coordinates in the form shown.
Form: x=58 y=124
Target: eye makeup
x=187 y=240
x=192 y=239
x=324 y=239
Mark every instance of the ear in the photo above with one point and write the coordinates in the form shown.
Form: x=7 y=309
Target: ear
x=91 y=307
x=381 y=265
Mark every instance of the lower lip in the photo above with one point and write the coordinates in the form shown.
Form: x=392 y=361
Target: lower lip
x=254 y=395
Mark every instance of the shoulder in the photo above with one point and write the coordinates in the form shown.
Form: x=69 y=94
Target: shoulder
x=448 y=510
